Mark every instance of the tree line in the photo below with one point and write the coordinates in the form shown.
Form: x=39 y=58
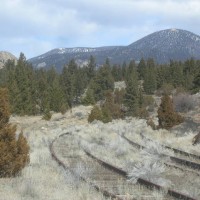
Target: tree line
x=38 y=91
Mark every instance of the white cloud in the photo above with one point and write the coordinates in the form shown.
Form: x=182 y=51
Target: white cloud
x=38 y=25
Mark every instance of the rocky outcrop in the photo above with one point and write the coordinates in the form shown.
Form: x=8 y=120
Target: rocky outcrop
x=5 y=56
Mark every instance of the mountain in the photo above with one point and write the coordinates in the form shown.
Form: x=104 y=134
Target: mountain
x=163 y=46
x=5 y=56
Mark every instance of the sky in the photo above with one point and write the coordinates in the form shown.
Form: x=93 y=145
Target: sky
x=37 y=26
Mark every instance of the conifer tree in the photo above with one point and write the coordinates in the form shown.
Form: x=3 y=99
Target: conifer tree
x=196 y=83
x=131 y=94
x=91 y=68
x=167 y=117
x=96 y=114
x=150 y=76
x=14 y=152
x=142 y=69
x=111 y=108
x=102 y=82
x=89 y=97
x=130 y=70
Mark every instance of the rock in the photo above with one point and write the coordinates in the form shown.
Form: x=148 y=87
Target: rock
x=5 y=56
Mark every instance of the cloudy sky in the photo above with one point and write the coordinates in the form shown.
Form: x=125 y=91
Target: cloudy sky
x=37 y=26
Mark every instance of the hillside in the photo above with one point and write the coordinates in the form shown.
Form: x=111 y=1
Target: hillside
x=163 y=46
x=4 y=56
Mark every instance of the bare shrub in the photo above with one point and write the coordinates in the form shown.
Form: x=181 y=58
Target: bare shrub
x=150 y=171
x=155 y=151
x=184 y=102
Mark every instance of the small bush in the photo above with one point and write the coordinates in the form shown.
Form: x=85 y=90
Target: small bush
x=47 y=115
x=95 y=114
x=63 y=109
x=184 y=102
x=150 y=171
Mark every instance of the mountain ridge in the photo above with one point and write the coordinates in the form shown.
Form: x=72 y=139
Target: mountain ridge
x=163 y=46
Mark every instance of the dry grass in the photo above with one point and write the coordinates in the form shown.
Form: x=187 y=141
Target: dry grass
x=44 y=179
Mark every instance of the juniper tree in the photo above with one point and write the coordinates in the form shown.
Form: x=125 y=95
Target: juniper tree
x=96 y=114
x=167 y=117
x=14 y=150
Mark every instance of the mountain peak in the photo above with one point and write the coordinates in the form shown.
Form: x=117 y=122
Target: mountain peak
x=163 y=46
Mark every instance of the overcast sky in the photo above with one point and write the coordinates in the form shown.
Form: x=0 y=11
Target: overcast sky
x=37 y=26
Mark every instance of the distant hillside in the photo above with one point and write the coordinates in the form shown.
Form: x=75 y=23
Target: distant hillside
x=4 y=56
x=163 y=46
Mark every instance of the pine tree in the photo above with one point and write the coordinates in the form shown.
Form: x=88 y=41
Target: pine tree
x=150 y=76
x=131 y=69
x=89 y=97
x=102 y=82
x=91 y=68
x=142 y=69
x=196 y=83
x=131 y=94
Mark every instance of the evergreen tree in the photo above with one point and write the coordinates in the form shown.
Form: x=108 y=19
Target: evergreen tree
x=167 y=117
x=14 y=152
x=89 y=97
x=196 y=83
x=117 y=73
x=142 y=69
x=131 y=95
x=111 y=109
x=57 y=99
x=124 y=68
x=130 y=70
x=102 y=82
x=95 y=114
x=91 y=68
x=150 y=76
